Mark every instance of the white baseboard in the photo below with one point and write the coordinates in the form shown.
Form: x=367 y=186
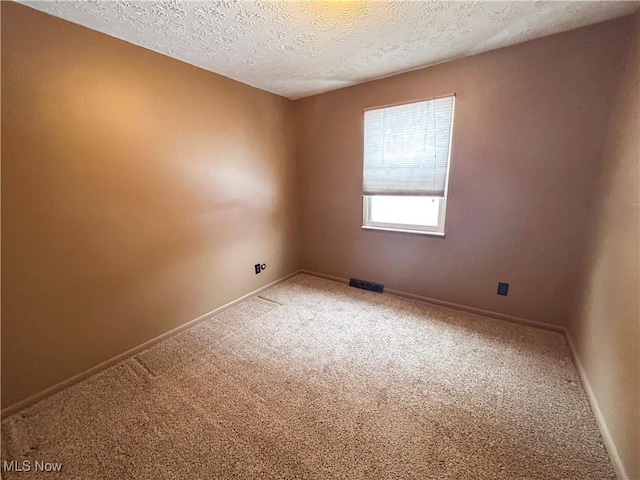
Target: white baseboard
x=455 y=306
x=609 y=444
x=33 y=399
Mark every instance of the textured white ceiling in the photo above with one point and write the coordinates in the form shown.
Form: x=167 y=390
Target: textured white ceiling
x=301 y=48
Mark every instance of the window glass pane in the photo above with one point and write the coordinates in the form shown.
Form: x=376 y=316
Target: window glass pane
x=405 y=210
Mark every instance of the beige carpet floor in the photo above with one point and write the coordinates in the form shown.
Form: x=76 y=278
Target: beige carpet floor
x=314 y=379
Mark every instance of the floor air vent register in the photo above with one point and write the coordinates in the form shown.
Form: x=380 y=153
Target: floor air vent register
x=366 y=285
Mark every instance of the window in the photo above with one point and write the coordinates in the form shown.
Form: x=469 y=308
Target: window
x=406 y=165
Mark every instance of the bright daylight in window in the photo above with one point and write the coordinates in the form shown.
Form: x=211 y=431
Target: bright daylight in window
x=406 y=166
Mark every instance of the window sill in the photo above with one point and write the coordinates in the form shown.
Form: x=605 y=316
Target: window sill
x=404 y=230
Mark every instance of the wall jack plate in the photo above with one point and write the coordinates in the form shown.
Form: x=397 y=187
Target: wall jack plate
x=503 y=288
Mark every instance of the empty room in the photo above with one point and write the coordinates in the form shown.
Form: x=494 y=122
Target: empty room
x=320 y=239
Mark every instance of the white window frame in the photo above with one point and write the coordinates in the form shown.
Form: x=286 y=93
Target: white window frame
x=437 y=230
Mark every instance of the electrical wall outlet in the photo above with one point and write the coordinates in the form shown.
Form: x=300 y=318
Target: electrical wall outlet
x=259 y=267
x=503 y=288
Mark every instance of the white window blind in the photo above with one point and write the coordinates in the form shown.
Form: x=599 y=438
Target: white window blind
x=406 y=148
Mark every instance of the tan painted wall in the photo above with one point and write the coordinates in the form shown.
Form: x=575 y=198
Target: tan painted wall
x=137 y=193
x=530 y=123
x=606 y=325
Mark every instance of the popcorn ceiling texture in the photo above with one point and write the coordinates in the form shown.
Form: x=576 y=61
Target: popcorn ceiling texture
x=297 y=49
x=314 y=379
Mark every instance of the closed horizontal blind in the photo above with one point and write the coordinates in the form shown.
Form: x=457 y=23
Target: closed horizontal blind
x=406 y=148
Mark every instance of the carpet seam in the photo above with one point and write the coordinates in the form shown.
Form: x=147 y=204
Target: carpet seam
x=136 y=359
x=269 y=300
